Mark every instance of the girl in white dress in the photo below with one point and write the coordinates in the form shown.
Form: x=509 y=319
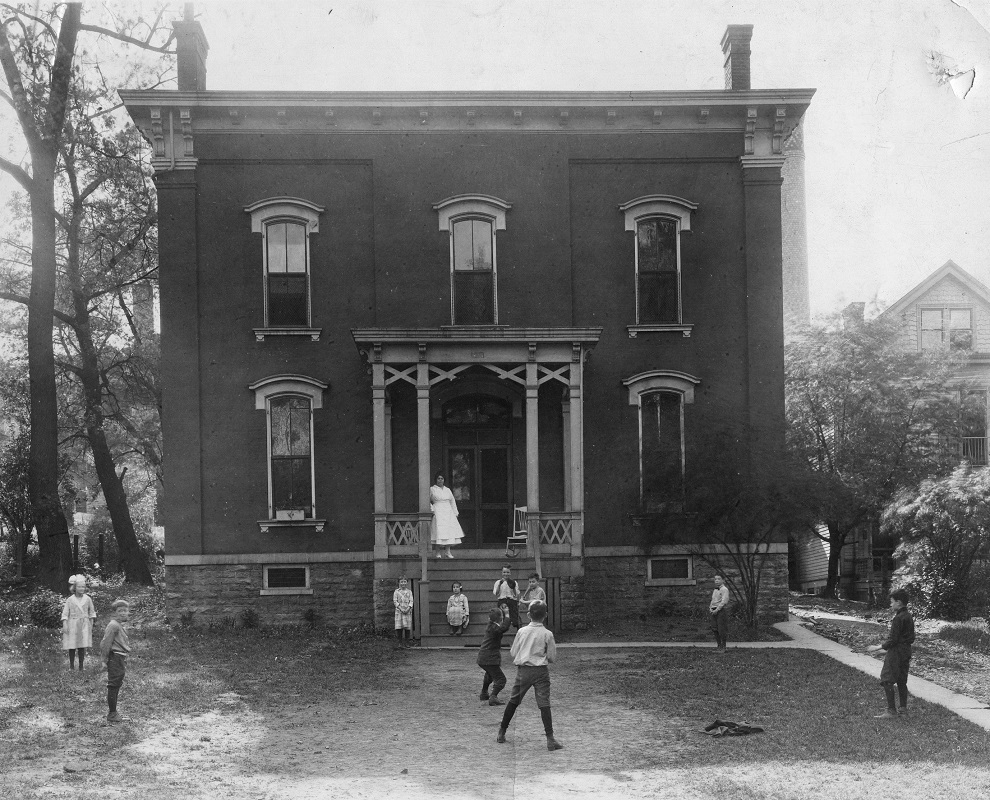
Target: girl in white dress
x=445 y=530
x=78 y=614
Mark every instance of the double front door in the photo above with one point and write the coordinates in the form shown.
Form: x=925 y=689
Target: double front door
x=478 y=458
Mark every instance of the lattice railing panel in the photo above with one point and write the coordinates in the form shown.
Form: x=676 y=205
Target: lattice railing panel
x=402 y=530
x=556 y=530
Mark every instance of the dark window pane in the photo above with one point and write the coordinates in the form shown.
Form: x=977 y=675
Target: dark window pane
x=662 y=450
x=669 y=568
x=495 y=468
x=287 y=300
x=286 y=577
x=291 y=484
x=474 y=299
x=495 y=525
x=658 y=297
x=657 y=243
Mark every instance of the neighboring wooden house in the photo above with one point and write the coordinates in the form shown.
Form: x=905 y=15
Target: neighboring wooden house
x=950 y=308
x=361 y=290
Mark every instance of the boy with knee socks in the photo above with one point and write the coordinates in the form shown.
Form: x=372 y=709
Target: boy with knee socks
x=898 y=658
x=114 y=649
x=532 y=651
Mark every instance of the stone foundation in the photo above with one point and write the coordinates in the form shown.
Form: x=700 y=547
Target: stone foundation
x=614 y=587
x=342 y=595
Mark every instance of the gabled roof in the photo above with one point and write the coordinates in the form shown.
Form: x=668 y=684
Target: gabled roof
x=948 y=269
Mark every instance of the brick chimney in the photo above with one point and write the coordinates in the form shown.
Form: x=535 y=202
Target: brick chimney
x=191 y=48
x=735 y=47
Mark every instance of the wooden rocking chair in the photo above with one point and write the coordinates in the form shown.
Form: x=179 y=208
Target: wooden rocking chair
x=520 y=533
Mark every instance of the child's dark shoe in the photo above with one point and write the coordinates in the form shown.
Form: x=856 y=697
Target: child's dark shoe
x=494 y=701
x=888 y=714
x=483 y=696
x=115 y=717
x=501 y=736
x=553 y=744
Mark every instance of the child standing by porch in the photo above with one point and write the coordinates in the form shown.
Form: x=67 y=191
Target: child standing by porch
x=534 y=593
x=506 y=591
x=457 y=611
x=402 y=599
x=78 y=614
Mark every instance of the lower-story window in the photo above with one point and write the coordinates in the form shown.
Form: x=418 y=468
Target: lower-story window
x=662 y=450
x=291 y=457
x=674 y=570
x=287 y=579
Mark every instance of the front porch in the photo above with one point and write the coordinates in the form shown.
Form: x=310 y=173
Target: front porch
x=498 y=411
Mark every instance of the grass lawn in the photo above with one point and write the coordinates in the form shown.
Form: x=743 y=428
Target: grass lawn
x=236 y=713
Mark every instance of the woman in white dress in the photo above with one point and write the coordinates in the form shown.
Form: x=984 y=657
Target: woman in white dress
x=444 y=529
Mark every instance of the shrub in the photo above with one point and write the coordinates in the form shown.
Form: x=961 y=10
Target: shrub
x=45 y=608
x=311 y=617
x=250 y=618
x=975 y=636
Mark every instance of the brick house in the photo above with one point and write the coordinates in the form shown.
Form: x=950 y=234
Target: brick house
x=546 y=296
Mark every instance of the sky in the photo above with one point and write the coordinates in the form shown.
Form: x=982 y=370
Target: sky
x=898 y=165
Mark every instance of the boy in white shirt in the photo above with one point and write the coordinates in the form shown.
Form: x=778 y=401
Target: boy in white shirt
x=533 y=650
x=718 y=610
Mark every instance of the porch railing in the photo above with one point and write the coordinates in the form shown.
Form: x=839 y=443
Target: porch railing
x=402 y=529
x=974 y=450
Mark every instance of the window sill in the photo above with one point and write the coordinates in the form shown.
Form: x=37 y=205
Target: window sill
x=673 y=582
x=287 y=590
x=660 y=328
x=312 y=333
x=267 y=524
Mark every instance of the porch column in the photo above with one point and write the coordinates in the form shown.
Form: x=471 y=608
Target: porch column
x=577 y=450
x=378 y=428
x=565 y=414
x=533 y=458
x=423 y=450
x=389 y=476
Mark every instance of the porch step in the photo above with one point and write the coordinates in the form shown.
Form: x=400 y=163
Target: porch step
x=477 y=576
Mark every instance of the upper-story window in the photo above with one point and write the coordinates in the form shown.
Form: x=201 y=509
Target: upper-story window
x=286 y=224
x=952 y=327
x=660 y=396
x=471 y=222
x=658 y=221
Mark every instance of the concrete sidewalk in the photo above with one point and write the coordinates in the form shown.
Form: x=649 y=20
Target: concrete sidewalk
x=966 y=707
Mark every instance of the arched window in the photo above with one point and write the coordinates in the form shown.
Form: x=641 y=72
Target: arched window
x=658 y=221
x=471 y=221
x=288 y=402
x=660 y=396
x=286 y=224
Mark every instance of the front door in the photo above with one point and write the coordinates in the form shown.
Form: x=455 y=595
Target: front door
x=478 y=456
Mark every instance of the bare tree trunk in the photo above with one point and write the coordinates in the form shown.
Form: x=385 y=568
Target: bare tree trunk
x=836 y=541
x=49 y=518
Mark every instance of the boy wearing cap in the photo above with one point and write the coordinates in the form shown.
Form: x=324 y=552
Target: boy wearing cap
x=898 y=658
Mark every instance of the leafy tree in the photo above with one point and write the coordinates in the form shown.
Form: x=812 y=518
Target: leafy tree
x=866 y=418
x=944 y=527
x=38 y=54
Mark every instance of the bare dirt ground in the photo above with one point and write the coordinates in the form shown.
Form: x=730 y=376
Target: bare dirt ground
x=946 y=663
x=410 y=726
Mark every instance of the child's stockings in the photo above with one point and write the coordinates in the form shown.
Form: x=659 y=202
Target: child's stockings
x=72 y=659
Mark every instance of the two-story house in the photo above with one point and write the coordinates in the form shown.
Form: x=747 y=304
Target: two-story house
x=549 y=297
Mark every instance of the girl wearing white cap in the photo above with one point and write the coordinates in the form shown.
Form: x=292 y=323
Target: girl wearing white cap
x=78 y=614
